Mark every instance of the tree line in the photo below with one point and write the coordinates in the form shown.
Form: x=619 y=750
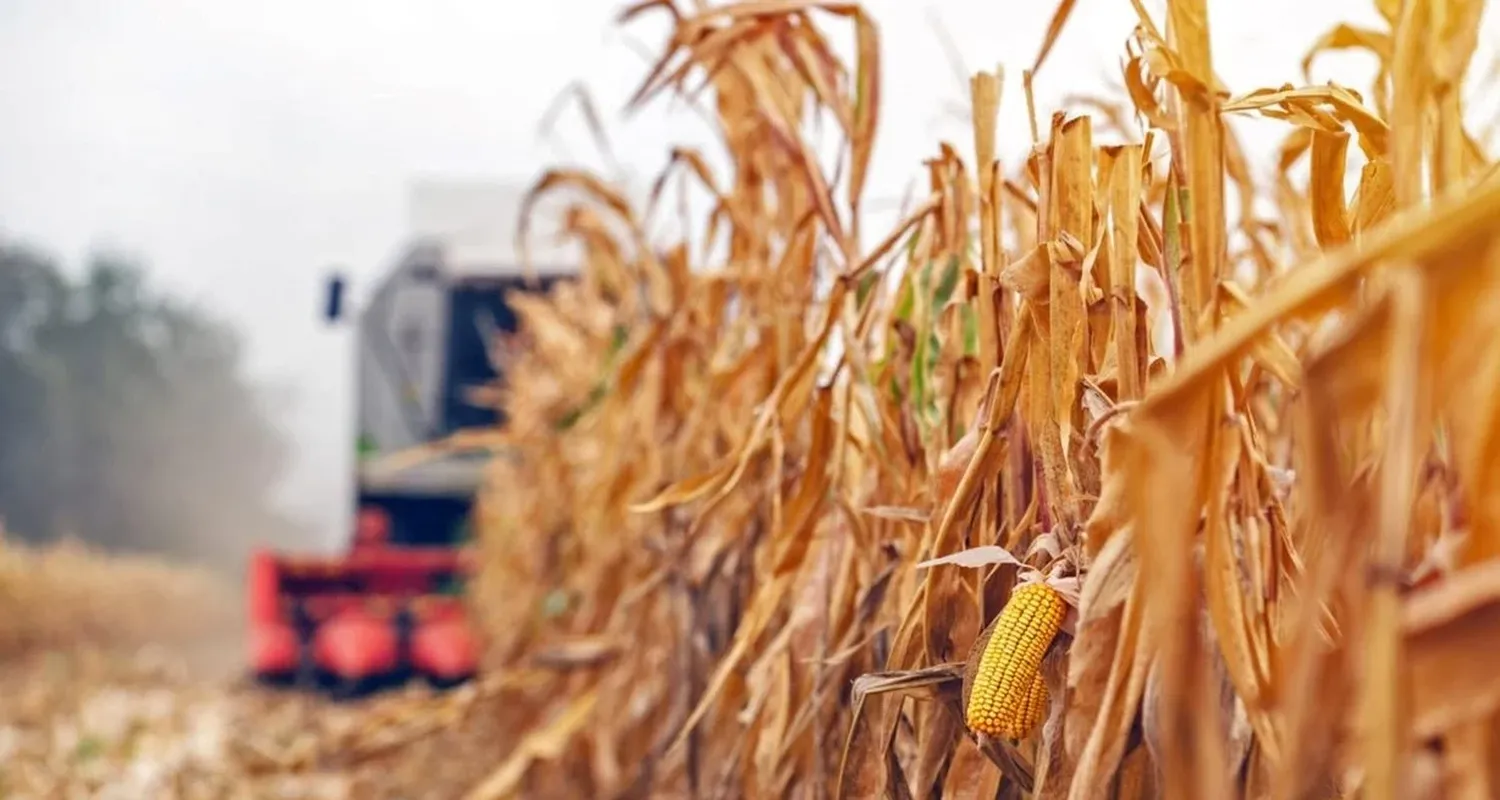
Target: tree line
x=126 y=417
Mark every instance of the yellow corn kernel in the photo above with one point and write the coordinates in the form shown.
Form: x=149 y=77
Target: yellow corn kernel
x=1035 y=711
x=1008 y=696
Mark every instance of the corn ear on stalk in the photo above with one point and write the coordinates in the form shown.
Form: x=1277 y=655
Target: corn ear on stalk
x=1035 y=710
x=1005 y=694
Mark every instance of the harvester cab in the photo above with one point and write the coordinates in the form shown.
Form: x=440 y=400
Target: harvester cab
x=391 y=606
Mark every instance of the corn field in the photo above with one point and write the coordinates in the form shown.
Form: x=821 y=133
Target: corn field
x=1245 y=431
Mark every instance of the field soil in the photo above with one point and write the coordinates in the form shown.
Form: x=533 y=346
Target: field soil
x=132 y=688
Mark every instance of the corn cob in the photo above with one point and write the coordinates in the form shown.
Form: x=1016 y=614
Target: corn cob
x=1006 y=694
x=1035 y=710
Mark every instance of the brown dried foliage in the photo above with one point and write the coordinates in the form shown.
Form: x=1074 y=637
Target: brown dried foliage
x=1277 y=529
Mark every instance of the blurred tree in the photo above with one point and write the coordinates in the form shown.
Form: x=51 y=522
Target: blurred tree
x=125 y=416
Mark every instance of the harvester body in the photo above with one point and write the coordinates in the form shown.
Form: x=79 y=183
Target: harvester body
x=391 y=607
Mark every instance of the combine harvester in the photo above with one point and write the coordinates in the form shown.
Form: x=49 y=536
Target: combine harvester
x=391 y=607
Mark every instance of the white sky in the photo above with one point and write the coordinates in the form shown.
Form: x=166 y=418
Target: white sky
x=243 y=147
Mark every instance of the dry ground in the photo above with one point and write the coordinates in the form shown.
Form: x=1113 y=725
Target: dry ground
x=126 y=685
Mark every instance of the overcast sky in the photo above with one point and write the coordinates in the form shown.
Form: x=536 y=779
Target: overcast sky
x=241 y=148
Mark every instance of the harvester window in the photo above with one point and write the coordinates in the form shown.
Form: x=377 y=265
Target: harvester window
x=478 y=311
